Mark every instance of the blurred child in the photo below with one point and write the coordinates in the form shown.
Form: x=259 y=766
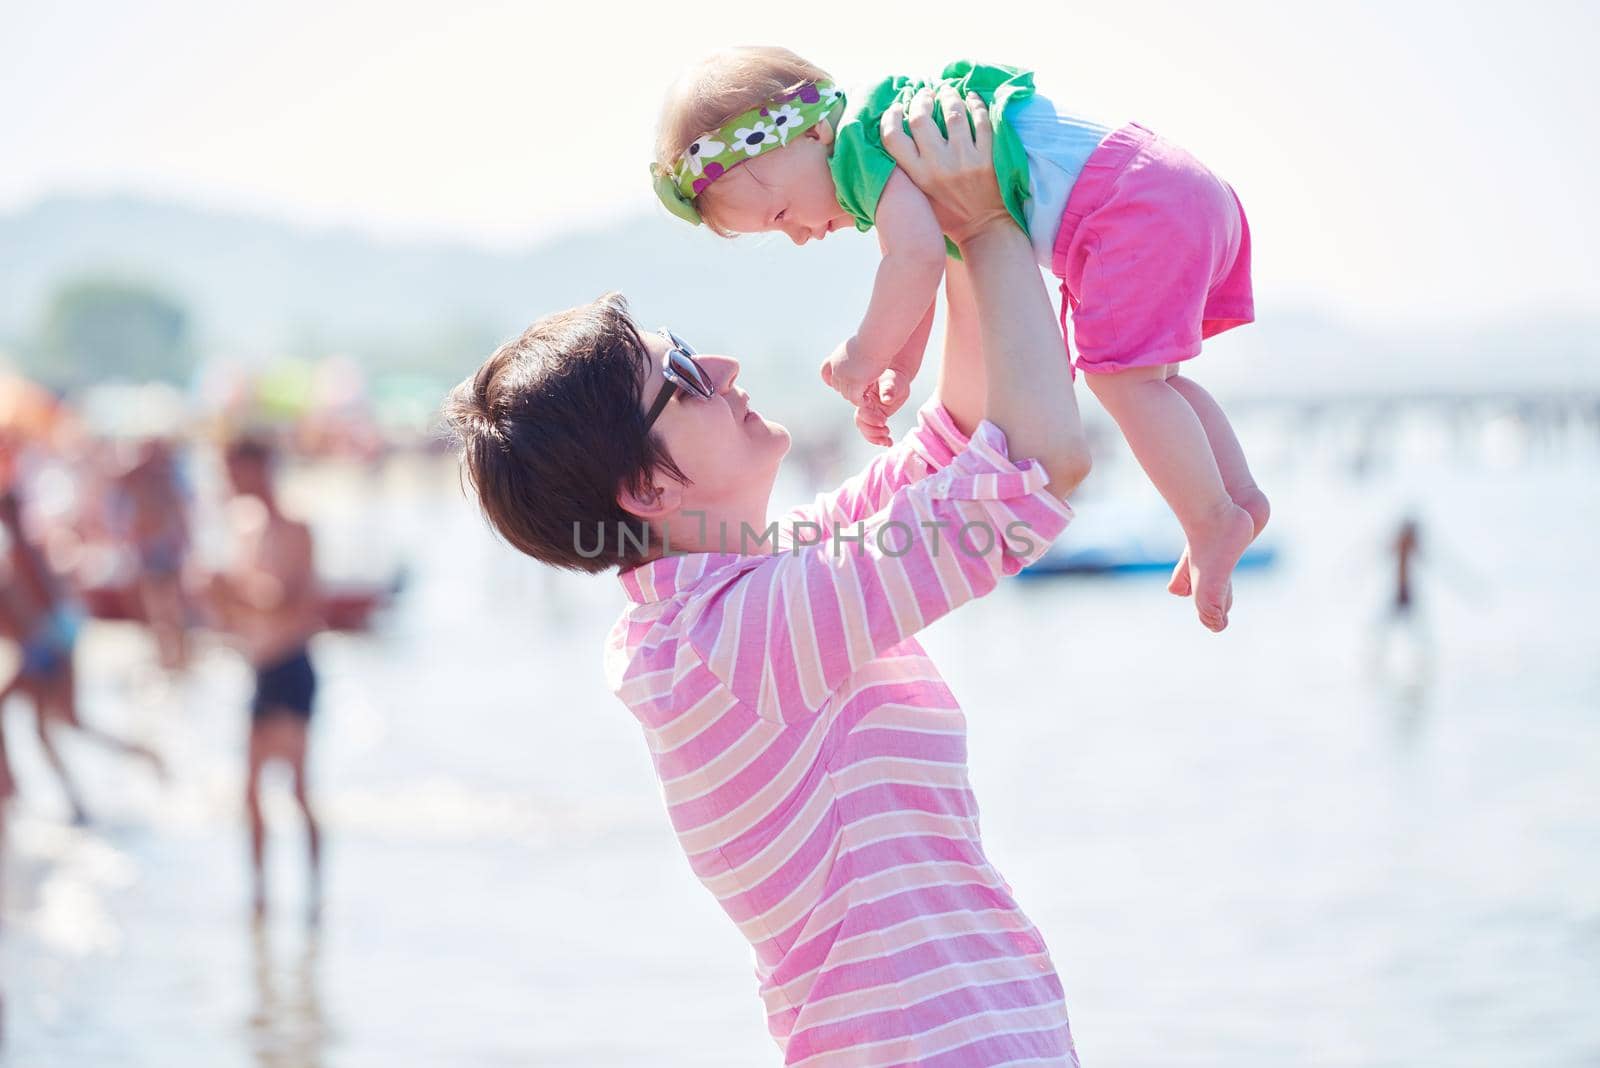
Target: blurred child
x=268 y=603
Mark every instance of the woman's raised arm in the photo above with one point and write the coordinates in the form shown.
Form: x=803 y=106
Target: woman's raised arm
x=1027 y=381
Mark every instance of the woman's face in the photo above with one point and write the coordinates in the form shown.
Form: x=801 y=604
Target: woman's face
x=727 y=451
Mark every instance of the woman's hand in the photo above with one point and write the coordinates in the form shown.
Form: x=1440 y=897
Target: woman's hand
x=957 y=173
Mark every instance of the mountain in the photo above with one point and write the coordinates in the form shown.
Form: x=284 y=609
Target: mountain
x=259 y=287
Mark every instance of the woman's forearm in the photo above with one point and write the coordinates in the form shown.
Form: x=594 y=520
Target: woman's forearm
x=962 y=387
x=1028 y=390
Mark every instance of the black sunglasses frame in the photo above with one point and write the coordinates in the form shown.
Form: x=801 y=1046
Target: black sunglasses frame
x=692 y=378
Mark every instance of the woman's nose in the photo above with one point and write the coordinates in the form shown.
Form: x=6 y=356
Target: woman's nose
x=723 y=369
x=798 y=234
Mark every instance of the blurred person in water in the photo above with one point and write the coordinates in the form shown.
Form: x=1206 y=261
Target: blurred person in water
x=1403 y=646
x=37 y=614
x=150 y=513
x=267 y=602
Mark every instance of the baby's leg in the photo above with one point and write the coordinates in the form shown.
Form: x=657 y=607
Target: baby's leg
x=1236 y=477
x=1170 y=443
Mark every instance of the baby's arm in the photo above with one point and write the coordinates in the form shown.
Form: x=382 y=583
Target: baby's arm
x=905 y=287
x=894 y=384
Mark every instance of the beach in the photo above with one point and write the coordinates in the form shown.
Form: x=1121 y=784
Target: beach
x=1246 y=849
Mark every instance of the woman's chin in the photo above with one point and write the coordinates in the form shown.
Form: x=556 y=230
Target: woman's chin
x=775 y=431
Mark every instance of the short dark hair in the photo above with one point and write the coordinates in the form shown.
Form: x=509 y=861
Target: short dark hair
x=550 y=428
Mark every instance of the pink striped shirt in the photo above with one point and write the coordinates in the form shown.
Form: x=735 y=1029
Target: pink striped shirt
x=813 y=762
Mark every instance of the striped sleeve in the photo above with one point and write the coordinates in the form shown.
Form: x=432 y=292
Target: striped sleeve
x=929 y=446
x=790 y=632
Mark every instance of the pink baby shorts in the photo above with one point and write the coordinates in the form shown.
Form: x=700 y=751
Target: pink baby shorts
x=1153 y=255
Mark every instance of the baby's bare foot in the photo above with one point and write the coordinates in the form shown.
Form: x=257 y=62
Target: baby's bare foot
x=1215 y=546
x=1252 y=500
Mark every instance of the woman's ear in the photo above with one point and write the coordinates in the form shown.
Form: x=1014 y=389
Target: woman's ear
x=653 y=503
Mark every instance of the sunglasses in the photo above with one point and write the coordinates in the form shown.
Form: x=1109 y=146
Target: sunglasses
x=681 y=372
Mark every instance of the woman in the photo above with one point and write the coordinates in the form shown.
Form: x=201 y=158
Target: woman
x=813 y=762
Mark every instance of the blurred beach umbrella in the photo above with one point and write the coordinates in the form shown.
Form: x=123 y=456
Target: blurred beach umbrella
x=29 y=415
x=27 y=409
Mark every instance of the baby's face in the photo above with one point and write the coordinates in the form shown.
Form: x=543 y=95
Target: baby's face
x=789 y=190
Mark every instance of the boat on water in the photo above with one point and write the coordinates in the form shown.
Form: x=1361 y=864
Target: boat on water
x=1128 y=537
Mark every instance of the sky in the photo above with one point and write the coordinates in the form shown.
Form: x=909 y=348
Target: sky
x=1404 y=162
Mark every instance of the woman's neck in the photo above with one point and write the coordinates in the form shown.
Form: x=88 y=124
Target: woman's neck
x=742 y=530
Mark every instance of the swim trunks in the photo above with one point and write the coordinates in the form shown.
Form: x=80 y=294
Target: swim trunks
x=287 y=686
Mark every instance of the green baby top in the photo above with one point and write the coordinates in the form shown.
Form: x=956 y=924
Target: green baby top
x=861 y=167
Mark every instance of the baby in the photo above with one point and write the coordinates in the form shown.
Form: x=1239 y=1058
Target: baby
x=1152 y=251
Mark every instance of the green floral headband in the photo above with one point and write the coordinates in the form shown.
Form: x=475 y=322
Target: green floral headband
x=742 y=138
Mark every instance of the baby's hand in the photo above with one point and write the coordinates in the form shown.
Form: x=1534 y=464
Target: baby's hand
x=894 y=385
x=872 y=414
x=852 y=373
